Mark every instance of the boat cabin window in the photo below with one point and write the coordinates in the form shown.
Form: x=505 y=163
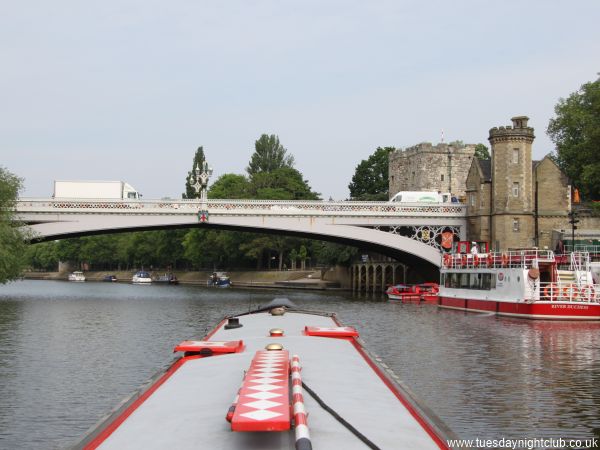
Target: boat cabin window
x=480 y=281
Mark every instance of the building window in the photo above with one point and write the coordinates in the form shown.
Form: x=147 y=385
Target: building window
x=516 y=224
x=515 y=189
x=515 y=156
x=472 y=199
x=442 y=179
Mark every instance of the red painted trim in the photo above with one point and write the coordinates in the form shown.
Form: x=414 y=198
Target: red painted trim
x=106 y=432
x=548 y=310
x=111 y=427
x=424 y=424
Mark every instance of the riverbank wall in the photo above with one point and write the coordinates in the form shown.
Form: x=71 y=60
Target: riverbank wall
x=293 y=279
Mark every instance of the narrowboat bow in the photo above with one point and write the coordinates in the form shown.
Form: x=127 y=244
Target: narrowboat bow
x=274 y=378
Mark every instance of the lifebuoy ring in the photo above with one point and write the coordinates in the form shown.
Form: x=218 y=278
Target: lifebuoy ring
x=504 y=260
x=447 y=260
x=475 y=260
x=588 y=293
x=550 y=292
x=570 y=292
x=464 y=260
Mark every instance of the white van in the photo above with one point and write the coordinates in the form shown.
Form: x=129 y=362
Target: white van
x=423 y=197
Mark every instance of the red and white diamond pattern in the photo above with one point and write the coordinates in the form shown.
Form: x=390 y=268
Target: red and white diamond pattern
x=263 y=403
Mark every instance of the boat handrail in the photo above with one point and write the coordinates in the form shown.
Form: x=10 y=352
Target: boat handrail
x=526 y=258
x=568 y=292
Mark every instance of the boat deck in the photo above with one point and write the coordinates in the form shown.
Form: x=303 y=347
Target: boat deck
x=187 y=411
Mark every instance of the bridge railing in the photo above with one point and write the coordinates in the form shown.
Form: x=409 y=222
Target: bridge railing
x=237 y=207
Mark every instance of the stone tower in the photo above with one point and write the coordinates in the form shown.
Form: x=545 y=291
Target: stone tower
x=512 y=191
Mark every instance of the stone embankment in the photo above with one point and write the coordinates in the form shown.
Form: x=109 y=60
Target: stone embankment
x=293 y=279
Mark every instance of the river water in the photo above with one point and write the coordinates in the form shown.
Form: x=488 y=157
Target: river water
x=70 y=352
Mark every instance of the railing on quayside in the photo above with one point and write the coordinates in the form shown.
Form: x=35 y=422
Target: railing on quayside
x=591 y=249
x=523 y=259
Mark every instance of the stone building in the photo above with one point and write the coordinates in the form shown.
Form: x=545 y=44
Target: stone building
x=425 y=167
x=513 y=201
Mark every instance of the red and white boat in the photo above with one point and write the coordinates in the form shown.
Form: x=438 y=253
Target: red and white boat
x=274 y=378
x=415 y=293
x=527 y=283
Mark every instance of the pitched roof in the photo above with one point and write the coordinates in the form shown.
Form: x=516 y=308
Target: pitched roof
x=486 y=168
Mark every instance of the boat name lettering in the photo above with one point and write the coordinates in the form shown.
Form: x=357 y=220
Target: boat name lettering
x=570 y=307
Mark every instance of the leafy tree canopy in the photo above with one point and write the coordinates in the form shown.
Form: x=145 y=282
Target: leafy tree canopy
x=576 y=132
x=199 y=159
x=482 y=152
x=12 y=241
x=268 y=156
x=370 y=179
x=284 y=183
x=230 y=186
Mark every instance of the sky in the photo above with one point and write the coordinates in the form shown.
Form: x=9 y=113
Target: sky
x=128 y=90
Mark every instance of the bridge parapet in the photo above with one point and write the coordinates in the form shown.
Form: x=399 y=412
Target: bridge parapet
x=240 y=207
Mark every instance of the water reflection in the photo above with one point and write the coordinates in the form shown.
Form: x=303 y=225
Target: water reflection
x=70 y=352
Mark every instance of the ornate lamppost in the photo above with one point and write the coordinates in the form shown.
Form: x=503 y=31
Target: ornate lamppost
x=201 y=187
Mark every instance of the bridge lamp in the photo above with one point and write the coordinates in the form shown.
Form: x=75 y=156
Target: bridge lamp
x=202 y=177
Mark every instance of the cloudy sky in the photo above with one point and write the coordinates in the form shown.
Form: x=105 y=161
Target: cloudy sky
x=127 y=90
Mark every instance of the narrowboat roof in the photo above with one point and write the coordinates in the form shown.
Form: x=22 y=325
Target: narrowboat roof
x=185 y=407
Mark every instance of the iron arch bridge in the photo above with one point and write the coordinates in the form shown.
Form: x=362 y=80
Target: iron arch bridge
x=405 y=231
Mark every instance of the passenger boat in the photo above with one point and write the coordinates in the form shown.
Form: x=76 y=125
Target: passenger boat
x=219 y=279
x=274 y=378
x=141 y=277
x=427 y=292
x=76 y=276
x=167 y=278
x=527 y=283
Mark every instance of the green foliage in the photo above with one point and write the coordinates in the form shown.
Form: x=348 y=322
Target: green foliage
x=199 y=159
x=576 y=132
x=42 y=256
x=370 y=179
x=482 y=152
x=268 y=155
x=12 y=240
x=230 y=186
x=327 y=253
x=284 y=183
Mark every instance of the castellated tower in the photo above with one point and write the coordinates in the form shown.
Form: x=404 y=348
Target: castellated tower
x=512 y=190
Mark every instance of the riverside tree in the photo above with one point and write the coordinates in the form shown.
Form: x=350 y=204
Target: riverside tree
x=370 y=179
x=12 y=240
x=268 y=155
x=576 y=132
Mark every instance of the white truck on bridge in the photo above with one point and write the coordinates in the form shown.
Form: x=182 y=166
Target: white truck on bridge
x=95 y=189
x=423 y=197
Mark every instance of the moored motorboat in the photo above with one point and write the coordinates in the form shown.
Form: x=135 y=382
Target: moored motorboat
x=167 y=278
x=110 y=278
x=76 y=276
x=274 y=378
x=525 y=283
x=219 y=279
x=403 y=292
x=416 y=293
x=141 y=277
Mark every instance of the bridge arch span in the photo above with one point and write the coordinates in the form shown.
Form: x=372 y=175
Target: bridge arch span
x=361 y=224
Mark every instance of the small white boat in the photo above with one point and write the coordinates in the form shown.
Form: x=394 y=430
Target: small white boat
x=76 y=276
x=141 y=277
x=274 y=378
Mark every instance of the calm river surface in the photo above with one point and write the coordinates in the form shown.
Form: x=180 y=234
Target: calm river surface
x=69 y=352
